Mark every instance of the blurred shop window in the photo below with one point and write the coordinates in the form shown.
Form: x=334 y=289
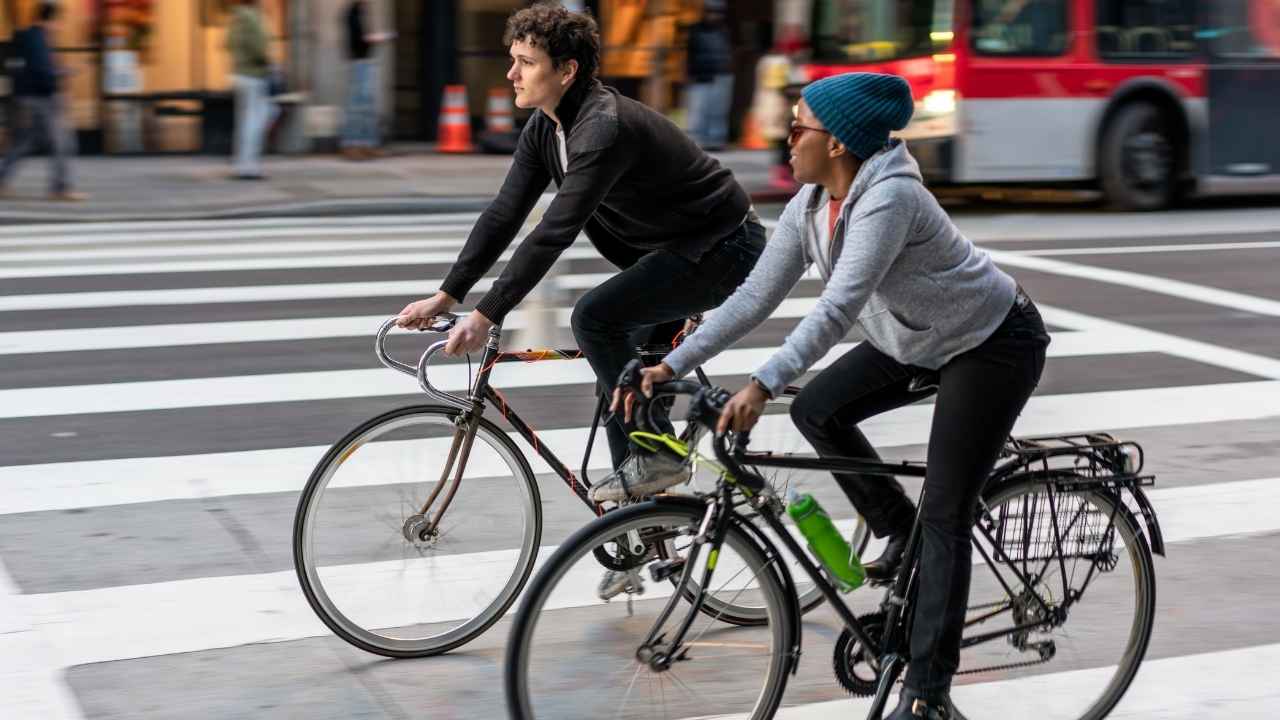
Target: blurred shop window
x=1020 y=27
x=1245 y=29
x=1146 y=29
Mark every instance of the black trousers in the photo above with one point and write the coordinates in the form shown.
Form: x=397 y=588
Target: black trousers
x=980 y=396
x=648 y=302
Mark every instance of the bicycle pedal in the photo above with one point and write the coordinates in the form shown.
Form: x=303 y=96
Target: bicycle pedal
x=664 y=569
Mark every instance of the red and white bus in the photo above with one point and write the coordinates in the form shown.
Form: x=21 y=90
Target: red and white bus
x=1150 y=100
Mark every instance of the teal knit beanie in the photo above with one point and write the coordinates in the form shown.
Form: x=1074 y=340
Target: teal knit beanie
x=860 y=109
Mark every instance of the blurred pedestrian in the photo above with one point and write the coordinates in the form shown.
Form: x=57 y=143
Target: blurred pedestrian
x=248 y=41
x=710 y=67
x=42 y=108
x=360 y=124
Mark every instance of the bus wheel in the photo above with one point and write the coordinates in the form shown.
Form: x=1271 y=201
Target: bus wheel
x=1138 y=164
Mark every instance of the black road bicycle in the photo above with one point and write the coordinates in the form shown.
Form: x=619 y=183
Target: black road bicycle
x=1059 y=616
x=417 y=530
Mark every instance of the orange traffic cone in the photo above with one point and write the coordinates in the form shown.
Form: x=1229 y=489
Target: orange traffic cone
x=498 y=118
x=455 y=122
x=752 y=135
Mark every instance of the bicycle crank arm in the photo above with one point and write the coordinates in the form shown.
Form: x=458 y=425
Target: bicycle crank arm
x=891 y=667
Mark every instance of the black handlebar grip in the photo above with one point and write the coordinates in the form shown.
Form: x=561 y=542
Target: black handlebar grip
x=630 y=376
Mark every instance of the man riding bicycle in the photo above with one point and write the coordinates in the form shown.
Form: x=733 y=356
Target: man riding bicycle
x=926 y=301
x=670 y=217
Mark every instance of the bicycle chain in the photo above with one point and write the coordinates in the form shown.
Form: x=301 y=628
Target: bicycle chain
x=1009 y=666
x=874 y=623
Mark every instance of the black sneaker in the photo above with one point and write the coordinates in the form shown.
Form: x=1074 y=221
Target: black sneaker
x=884 y=568
x=913 y=705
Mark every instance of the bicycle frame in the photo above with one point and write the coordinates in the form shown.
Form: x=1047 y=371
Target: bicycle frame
x=482 y=393
x=890 y=648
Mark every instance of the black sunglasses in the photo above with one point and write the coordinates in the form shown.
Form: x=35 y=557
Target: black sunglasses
x=797 y=130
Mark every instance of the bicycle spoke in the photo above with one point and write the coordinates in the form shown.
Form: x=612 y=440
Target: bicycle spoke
x=732 y=600
x=630 y=686
x=676 y=680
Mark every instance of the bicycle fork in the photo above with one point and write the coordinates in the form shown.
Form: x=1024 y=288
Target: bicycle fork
x=417 y=528
x=655 y=651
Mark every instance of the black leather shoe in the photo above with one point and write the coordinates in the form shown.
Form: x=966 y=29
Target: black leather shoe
x=912 y=705
x=883 y=568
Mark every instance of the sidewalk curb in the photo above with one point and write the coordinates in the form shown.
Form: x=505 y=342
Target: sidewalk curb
x=335 y=207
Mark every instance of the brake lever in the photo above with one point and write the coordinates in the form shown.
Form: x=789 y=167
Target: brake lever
x=441 y=323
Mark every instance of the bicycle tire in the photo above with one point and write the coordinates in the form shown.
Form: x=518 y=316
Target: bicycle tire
x=305 y=562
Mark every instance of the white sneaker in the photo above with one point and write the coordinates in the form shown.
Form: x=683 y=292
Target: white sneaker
x=641 y=474
x=616 y=582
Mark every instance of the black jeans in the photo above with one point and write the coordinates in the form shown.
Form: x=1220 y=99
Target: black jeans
x=648 y=302
x=980 y=396
x=863 y=383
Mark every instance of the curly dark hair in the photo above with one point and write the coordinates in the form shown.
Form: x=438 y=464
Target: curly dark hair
x=563 y=34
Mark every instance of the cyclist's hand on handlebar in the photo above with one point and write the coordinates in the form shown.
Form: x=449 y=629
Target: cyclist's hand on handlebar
x=743 y=410
x=625 y=397
x=418 y=315
x=468 y=335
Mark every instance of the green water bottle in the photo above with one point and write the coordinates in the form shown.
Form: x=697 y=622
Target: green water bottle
x=825 y=541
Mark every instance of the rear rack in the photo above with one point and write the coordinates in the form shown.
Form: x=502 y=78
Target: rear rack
x=1095 y=455
x=1095 y=460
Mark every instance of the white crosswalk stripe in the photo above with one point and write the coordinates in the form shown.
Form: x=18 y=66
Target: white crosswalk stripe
x=46 y=628
x=144 y=620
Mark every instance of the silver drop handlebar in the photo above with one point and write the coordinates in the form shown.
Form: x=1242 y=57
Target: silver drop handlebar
x=440 y=324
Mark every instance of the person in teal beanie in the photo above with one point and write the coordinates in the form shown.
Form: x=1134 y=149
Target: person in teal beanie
x=929 y=304
x=860 y=109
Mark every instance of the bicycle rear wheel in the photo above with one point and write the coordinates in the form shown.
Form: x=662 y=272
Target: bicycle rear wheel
x=1078 y=544
x=776 y=433
x=383 y=588
x=570 y=655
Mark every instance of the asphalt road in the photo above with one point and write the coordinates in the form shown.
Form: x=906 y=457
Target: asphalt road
x=166 y=391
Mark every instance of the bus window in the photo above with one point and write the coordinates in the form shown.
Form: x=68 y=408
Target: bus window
x=1146 y=29
x=1020 y=27
x=1245 y=29
x=876 y=30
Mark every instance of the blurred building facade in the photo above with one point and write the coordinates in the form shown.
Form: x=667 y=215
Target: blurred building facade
x=153 y=75
x=166 y=56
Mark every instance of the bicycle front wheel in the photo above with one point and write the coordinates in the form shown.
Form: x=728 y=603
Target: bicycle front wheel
x=570 y=655
x=368 y=571
x=1079 y=563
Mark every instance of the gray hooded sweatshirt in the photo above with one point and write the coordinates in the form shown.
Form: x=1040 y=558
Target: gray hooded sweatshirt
x=896 y=266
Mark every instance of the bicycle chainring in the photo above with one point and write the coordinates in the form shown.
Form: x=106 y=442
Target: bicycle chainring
x=853 y=669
